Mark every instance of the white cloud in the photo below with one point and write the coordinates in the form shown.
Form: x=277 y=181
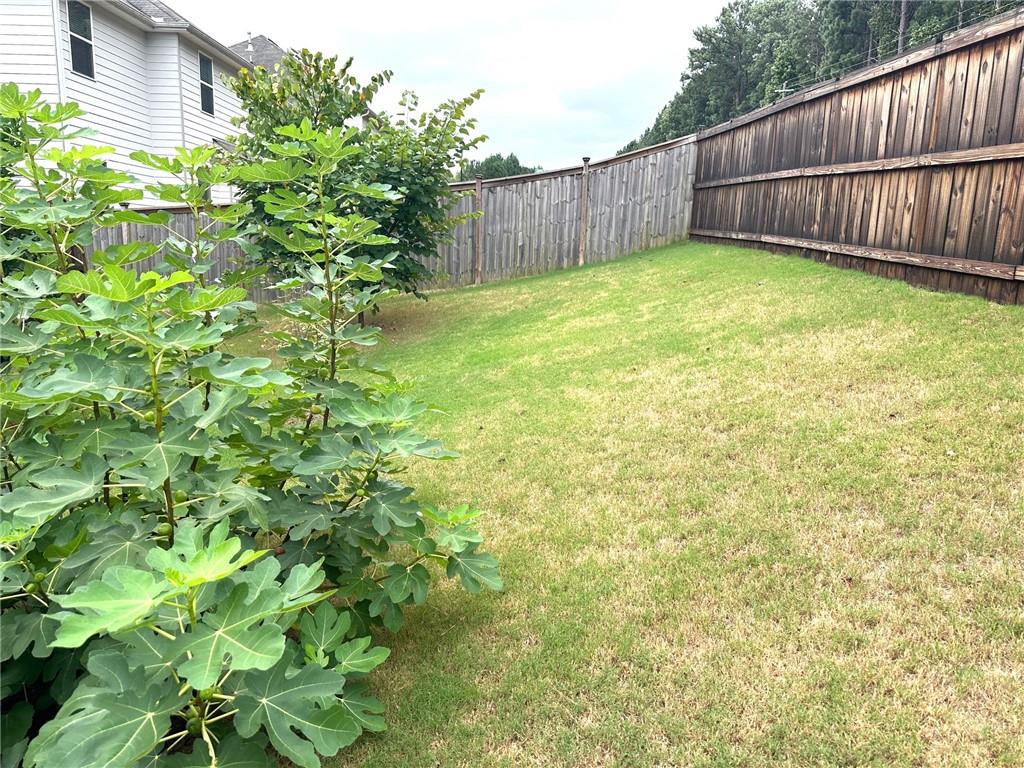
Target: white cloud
x=562 y=79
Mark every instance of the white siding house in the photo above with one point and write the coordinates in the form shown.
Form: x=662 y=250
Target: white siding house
x=146 y=78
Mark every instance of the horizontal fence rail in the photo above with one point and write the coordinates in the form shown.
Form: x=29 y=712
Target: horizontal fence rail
x=529 y=224
x=910 y=169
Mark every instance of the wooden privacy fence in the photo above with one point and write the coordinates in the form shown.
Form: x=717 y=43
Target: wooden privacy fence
x=910 y=169
x=530 y=224
x=593 y=212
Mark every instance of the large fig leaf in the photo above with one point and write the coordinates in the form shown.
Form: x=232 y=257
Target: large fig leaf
x=323 y=631
x=299 y=710
x=20 y=629
x=388 y=507
x=123 y=598
x=475 y=569
x=111 y=543
x=402 y=581
x=190 y=562
x=365 y=709
x=86 y=375
x=19 y=340
x=333 y=453
x=235 y=636
x=47 y=494
x=113 y=719
x=116 y=284
x=356 y=656
x=153 y=459
x=242 y=371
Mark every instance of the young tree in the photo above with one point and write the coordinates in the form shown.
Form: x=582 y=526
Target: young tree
x=412 y=152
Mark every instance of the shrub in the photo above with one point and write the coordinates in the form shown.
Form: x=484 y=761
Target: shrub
x=195 y=546
x=413 y=152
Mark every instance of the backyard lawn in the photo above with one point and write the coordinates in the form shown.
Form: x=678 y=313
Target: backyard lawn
x=750 y=510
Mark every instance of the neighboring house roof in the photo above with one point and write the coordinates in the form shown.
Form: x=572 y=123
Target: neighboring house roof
x=157 y=11
x=265 y=52
x=158 y=15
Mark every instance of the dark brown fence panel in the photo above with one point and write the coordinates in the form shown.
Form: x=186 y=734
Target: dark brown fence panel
x=910 y=169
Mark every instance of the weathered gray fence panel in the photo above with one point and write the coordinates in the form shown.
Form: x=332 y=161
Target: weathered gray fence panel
x=640 y=203
x=455 y=258
x=531 y=224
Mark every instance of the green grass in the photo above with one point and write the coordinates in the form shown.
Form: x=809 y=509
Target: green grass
x=751 y=510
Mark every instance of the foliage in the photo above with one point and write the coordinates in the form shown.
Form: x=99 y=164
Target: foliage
x=9 y=131
x=194 y=546
x=759 y=51
x=494 y=167
x=412 y=152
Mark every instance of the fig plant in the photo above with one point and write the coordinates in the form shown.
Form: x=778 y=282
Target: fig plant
x=195 y=546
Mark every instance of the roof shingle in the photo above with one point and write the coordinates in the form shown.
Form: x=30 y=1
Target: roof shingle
x=157 y=11
x=265 y=52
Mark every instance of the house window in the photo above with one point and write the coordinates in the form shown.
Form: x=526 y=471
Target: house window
x=206 y=83
x=80 y=28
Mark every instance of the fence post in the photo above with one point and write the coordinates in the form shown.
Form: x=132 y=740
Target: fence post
x=584 y=212
x=478 y=231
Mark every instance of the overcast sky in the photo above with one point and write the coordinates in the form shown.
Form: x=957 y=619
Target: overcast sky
x=561 y=79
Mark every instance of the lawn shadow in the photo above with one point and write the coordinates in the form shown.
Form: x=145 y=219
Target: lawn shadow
x=436 y=643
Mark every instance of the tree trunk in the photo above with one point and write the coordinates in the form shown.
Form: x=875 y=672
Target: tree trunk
x=901 y=40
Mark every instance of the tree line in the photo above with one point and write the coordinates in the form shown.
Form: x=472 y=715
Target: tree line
x=759 y=51
x=494 y=166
